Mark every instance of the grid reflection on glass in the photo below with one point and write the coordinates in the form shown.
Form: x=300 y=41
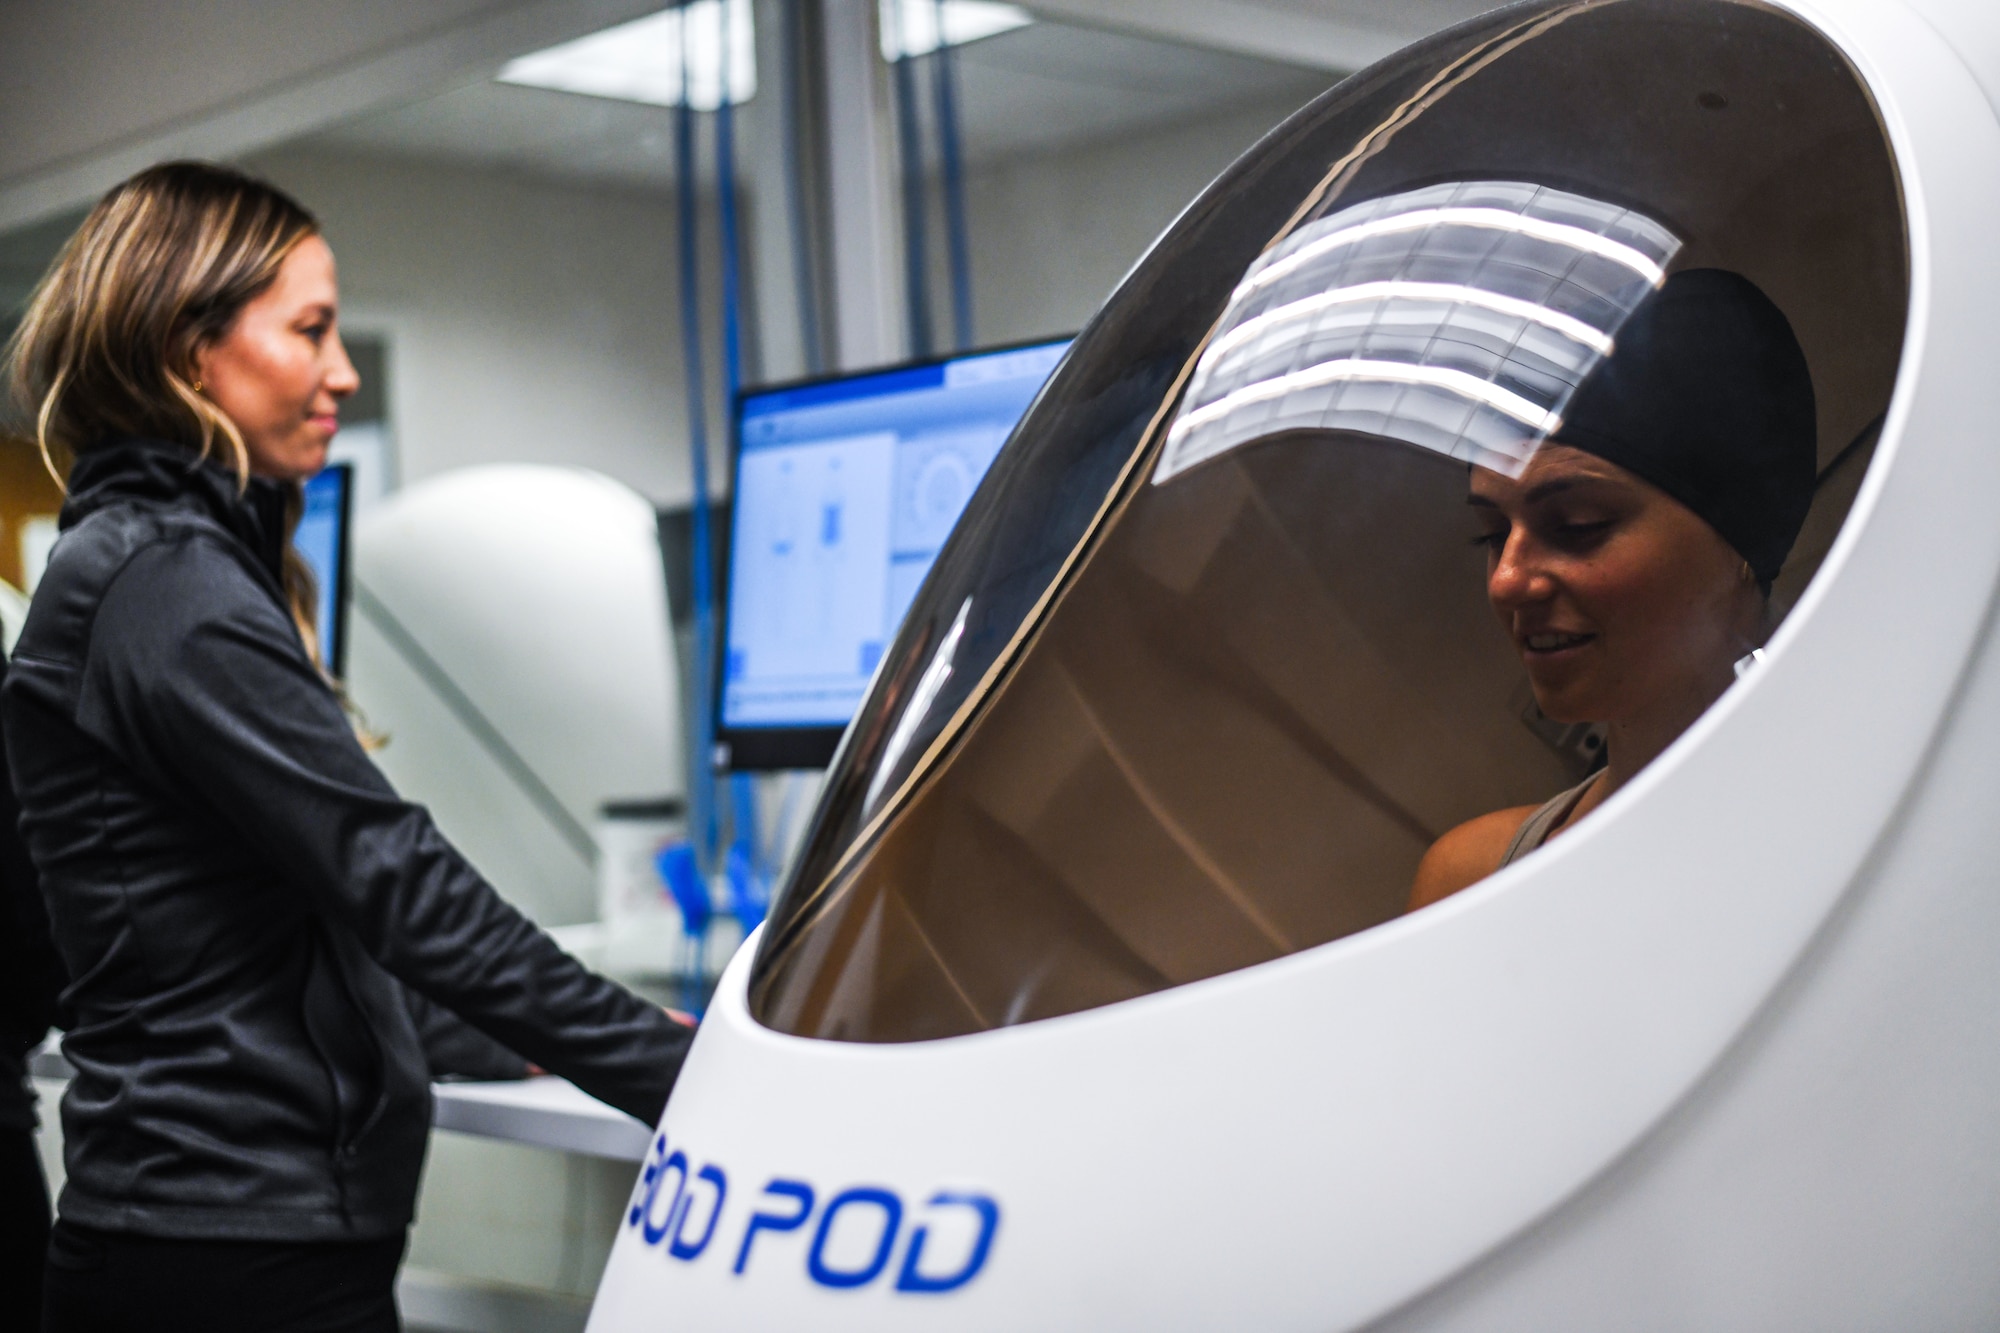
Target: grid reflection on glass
x=1459 y=318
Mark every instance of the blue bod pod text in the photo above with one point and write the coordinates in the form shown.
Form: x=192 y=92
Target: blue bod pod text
x=917 y=1250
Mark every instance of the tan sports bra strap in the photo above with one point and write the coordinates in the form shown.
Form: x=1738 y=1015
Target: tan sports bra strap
x=1535 y=829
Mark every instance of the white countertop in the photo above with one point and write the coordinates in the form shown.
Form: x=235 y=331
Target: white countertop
x=547 y=1112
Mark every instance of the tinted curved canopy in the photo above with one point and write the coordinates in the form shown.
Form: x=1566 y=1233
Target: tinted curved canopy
x=1209 y=663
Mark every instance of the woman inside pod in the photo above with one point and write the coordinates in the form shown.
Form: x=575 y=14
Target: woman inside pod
x=1631 y=560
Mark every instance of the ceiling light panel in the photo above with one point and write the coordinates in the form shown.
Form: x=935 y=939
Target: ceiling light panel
x=914 y=27
x=641 y=61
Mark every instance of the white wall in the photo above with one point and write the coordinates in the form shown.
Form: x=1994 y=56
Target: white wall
x=1053 y=235
x=528 y=320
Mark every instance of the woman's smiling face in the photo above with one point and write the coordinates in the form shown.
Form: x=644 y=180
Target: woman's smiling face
x=1621 y=602
x=279 y=371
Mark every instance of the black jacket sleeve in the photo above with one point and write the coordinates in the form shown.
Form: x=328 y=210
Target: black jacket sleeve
x=197 y=677
x=456 y=1049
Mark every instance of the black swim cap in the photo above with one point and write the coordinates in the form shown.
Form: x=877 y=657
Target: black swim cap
x=1707 y=396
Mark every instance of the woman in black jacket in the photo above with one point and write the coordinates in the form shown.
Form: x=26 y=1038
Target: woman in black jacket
x=260 y=932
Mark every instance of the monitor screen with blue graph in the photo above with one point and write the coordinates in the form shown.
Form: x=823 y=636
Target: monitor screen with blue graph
x=322 y=539
x=845 y=490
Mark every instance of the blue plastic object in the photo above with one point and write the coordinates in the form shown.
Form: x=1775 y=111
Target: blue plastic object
x=749 y=898
x=681 y=873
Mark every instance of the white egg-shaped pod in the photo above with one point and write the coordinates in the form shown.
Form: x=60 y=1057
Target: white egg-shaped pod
x=1717 y=1057
x=510 y=638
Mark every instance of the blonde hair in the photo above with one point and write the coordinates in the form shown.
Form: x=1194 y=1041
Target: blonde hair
x=159 y=270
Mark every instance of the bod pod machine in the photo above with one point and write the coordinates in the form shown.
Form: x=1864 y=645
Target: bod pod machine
x=1093 y=1001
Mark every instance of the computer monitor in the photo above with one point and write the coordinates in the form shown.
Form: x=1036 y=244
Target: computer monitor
x=845 y=490
x=322 y=539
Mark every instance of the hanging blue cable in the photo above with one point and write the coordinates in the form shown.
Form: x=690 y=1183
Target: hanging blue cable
x=725 y=193
x=792 y=112
x=686 y=875
x=702 y=821
x=951 y=159
x=747 y=893
x=916 y=211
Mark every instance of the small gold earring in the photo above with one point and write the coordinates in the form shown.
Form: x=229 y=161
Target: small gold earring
x=197 y=386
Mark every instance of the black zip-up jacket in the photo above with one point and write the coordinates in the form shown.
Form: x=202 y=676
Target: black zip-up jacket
x=237 y=892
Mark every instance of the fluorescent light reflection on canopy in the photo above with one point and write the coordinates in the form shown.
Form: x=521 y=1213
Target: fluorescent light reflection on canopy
x=1458 y=318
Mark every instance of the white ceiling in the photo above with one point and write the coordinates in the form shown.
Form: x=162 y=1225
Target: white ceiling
x=1034 y=89
x=1341 y=35
x=97 y=89
x=106 y=86
x=1054 y=84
